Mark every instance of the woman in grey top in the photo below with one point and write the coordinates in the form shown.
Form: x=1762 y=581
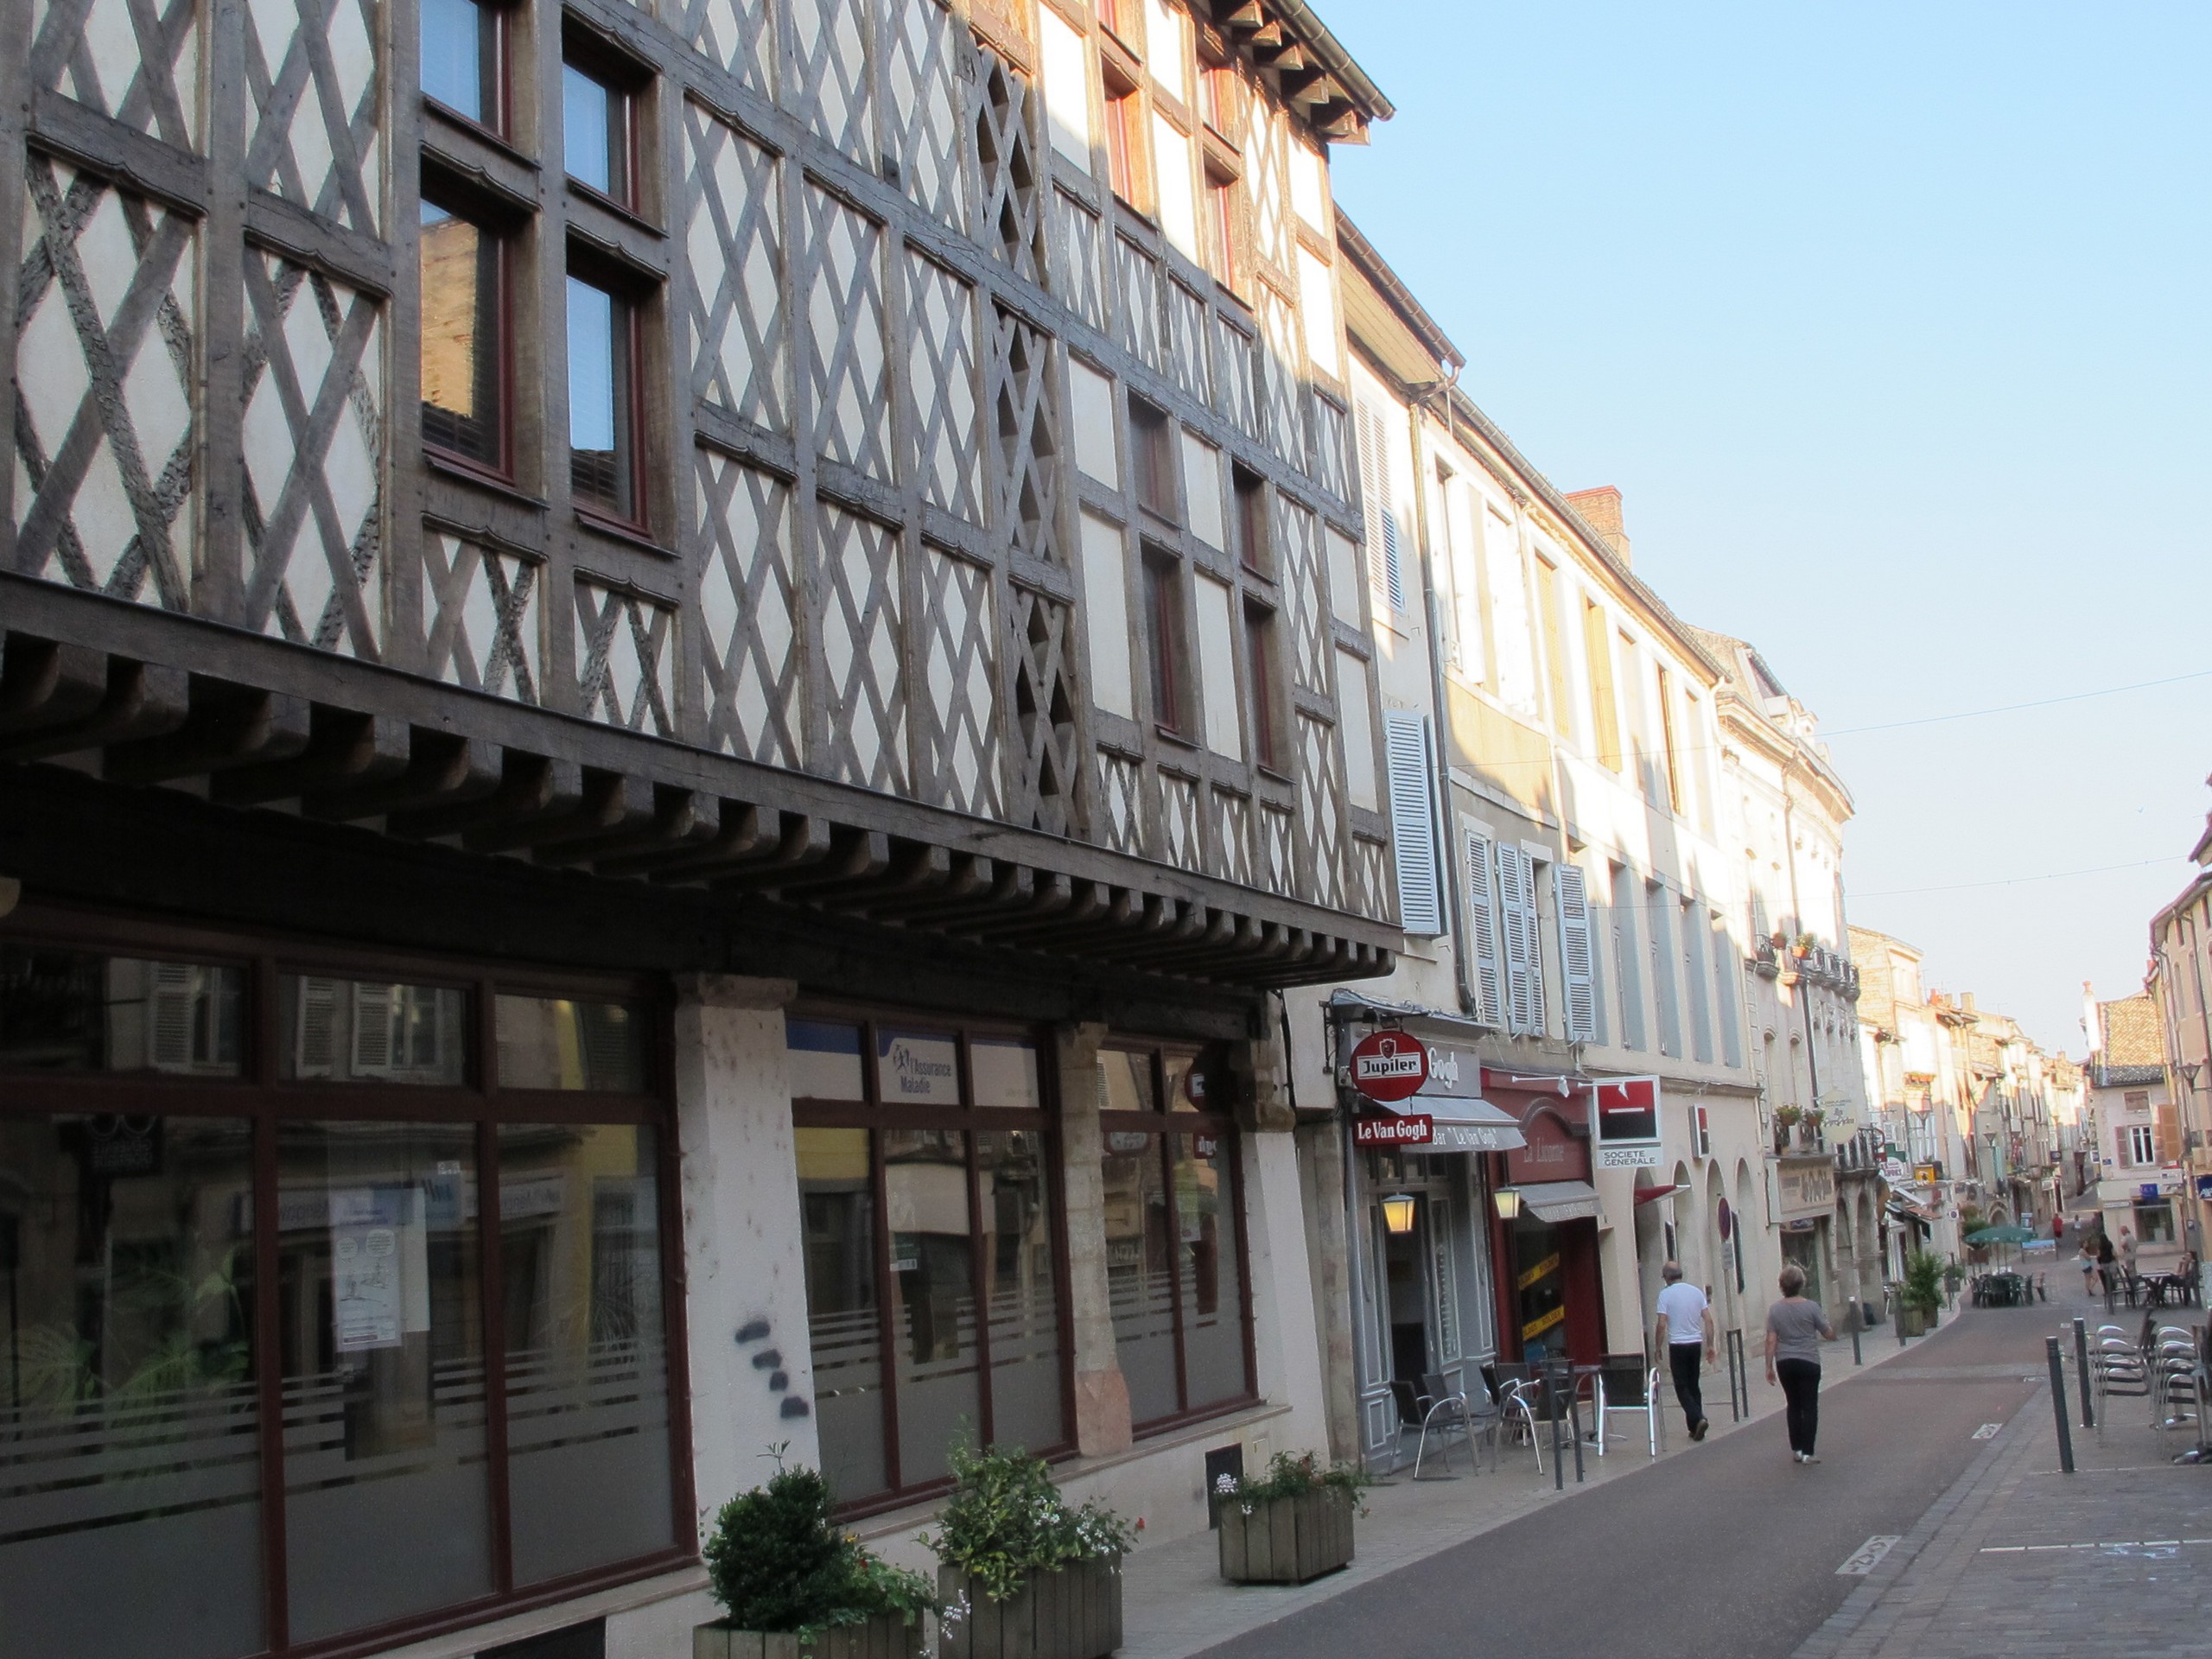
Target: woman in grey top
x=1795 y=1327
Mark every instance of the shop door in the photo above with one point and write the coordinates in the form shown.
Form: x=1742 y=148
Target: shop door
x=1557 y=1301
x=1406 y=1299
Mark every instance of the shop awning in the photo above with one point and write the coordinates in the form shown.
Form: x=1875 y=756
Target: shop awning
x=1559 y=1201
x=1463 y=1124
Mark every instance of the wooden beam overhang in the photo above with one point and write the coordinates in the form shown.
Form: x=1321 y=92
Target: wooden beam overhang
x=142 y=696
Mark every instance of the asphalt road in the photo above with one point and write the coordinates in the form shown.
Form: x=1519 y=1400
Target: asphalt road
x=1728 y=1551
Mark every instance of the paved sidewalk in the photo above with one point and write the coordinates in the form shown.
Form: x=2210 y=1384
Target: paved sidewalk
x=1175 y=1603
x=2021 y=1560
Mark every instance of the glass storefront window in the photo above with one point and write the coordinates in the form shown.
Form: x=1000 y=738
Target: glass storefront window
x=836 y=1198
x=386 y=1510
x=1021 y=1288
x=587 y=1350
x=1139 y=1274
x=130 y=1419
x=825 y=1060
x=933 y=1266
x=1209 y=1285
x=934 y=1238
x=557 y=1043
x=362 y=1030
x=68 y=1010
x=1005 y=1073
x=1174 y=1262
x=143 y=1350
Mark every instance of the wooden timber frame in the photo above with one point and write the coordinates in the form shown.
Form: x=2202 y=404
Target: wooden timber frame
x=257 y=722
x=284 y=632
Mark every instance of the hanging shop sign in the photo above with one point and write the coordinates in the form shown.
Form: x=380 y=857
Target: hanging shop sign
x=1804 y=1187
x=1624 y=1123
x=1389 y=1065
x=1392 y=1129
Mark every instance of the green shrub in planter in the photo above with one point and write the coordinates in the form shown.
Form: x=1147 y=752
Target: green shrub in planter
x=1290 y=1525
x=794 y=1586
x=1020 y=1570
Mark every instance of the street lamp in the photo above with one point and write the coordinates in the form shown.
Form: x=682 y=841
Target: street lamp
x=1398 y=1212
x=1507 y=1200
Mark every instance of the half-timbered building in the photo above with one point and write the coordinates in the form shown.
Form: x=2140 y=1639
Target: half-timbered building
x=674 y=679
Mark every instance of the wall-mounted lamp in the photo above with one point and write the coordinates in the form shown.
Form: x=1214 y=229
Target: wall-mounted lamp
x=1398 y=1212
x=1507 y=1200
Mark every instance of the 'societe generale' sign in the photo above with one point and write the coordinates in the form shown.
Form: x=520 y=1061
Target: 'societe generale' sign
x=1624 y=1123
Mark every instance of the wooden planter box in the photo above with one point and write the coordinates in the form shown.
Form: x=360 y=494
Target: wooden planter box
x=1918 y=1321
x=1287 y=1540
x=888 y=1637
x=1075 y=1613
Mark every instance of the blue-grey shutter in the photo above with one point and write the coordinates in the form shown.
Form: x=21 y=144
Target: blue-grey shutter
x=1576 y=973
x=1413 y=821
x=1482 y=927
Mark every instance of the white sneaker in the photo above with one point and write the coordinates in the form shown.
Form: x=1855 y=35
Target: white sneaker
x=1808 y=1458
x=1797 y=1457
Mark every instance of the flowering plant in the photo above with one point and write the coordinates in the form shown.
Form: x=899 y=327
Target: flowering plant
x=1006 y=1519
x=1293 y=1474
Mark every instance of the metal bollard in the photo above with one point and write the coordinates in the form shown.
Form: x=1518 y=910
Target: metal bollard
x=2082 y=1373
x=1855 y=1323
x=2058 y=1405
x=1574 y=1414
x=1558 y=1452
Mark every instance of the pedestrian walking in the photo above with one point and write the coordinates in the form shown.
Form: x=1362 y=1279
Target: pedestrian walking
x=2106 y=1260
x=2087 y=1260
x=1795 y=1328
x=1685 y=1330
x=2127 y=1252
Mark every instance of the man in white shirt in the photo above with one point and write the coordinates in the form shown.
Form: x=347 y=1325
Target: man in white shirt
x=1685 y=1330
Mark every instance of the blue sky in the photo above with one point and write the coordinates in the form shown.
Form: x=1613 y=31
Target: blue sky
x=1891 y=323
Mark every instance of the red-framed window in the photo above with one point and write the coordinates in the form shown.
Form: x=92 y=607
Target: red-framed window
x=351 y=1277
x=930 y=1201
x=1175 y=1251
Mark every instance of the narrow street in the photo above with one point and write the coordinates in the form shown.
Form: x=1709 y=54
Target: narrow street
x=1729 y=1552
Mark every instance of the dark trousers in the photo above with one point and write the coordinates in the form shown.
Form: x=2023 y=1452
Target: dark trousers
x=1684 y=1359
x=1801 y=1393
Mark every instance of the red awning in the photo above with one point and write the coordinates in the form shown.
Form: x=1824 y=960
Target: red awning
x=1645 y=1194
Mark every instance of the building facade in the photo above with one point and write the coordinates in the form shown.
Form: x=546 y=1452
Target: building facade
x=2181 y=965
x=2142 y=1171
x=1572 y=919
x=671 y=698
x=1784 y=805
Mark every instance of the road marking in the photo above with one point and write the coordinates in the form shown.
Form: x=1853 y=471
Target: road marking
x=1864 y=1560
x=1987 y=1431
x=2022 y=1549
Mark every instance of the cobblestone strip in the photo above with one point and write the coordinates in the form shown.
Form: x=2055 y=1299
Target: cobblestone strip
x=1901 y=1596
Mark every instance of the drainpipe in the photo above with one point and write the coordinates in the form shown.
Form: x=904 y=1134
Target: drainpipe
x=1447 y=863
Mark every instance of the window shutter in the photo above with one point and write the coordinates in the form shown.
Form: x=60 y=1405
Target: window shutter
x=1528 y=931
x=1381 y=523
x=1482 y=928
x=170 y=1029
x=1413 y=821
x=1515 y=875
x=371 y=1030
x=314 y=1052
x=1393 y=578
x=1575 y=964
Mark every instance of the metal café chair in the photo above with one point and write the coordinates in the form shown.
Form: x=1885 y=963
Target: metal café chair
x=1515 y=1392
x=1627 y=1383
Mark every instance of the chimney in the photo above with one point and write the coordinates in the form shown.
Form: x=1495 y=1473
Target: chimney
x=1601 y=510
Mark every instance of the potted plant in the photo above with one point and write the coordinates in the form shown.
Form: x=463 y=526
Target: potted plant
x=1023 y=1571
x=793 y=1586
x=1290 y=1525
x=1923 y=1291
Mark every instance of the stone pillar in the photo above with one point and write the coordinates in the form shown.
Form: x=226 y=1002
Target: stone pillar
x=751 y=1369
x=1321 y=1161
x=1102 y=1394
x=1289 y=1364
